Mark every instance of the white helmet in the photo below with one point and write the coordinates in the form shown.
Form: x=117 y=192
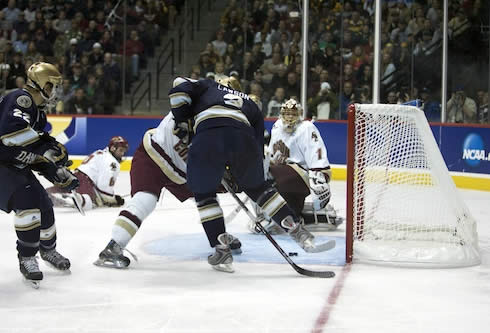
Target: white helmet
x=291 y=114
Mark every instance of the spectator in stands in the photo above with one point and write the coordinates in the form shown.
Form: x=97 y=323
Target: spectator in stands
x=392 y=97
x=257 y=90
x=77 y=78
x=249 y=66
x=30 y=10
x=483 y=116
x=111 y=89
x=78 y=104
x=21 y=44
x=20 y=26
x=219 y=44
x=219 y=71
x=271 y=66
x=94 y=91
x=387 y=69
x=205 y=62
x=11 y=13
x=64 y=93
x=461 y=108
x=280 y=79
x=32 y=52
x=324 y=104
x=43 y=45
x=73 y=54
x=293 y=86
x=16 y=69
x=97 y=54
x=274 y=106
x=431 y=107
x=134 y=51
x=346 y=98
x=107 y=42
x=61 y=24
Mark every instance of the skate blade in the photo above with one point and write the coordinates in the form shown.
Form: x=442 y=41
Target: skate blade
x=110 y=264
x=77 y=203
x=316 y=248
x=33 y=283
x=228 y=268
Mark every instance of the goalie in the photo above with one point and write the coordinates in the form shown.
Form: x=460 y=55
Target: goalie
x=97 y=176
x=297 y=160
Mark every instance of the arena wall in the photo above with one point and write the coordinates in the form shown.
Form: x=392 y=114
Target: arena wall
x=465 y=148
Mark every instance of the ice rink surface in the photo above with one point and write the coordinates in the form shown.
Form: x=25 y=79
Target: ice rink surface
x=172 y=288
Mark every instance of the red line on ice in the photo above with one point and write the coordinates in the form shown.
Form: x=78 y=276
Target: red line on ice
x=324 y=315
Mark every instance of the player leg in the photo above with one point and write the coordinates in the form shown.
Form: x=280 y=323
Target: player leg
x=147 y=181
x=205 y=169
x=47 y=241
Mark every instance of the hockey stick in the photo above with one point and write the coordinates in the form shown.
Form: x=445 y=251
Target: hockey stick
x=235 y=212
x=300 y=270
x=77 y=202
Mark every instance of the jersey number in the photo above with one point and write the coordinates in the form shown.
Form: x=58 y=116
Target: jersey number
x=233 y=100
x=22 y=115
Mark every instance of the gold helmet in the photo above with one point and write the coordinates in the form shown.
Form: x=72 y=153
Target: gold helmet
x=291 y=114
x=230 y=82
x=256 y=100
x=44 y=78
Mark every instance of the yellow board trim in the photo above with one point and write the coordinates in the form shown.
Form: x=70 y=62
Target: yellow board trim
x=340 y=173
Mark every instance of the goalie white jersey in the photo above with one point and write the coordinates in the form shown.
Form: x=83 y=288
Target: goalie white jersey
x=304 y=146
x=167 y=150
x=103 y=169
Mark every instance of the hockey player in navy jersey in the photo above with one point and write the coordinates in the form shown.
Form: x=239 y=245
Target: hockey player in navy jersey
x=227 y=132
x=24 y=148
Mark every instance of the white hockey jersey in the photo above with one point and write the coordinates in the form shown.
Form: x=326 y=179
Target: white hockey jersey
x=167 y=150
x=304 y=146
x=103 y=169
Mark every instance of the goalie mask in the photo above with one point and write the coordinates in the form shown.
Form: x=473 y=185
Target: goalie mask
x=118 y=146
x=231 y=82
x=291 y=114
x=46 y=79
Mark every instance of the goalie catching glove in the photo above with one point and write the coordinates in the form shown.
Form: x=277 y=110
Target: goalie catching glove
x=320 y=189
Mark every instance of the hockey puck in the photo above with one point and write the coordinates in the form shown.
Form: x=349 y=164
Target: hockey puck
x=292 y=254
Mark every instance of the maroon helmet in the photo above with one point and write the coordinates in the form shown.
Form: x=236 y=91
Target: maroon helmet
x=118 y=141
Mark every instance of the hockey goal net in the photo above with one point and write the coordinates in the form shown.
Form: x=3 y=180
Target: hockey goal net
x=402 y=205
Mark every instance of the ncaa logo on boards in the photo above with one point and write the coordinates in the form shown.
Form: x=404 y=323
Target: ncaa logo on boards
x=474 y=150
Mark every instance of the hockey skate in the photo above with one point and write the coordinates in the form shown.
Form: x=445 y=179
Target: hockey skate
x=30 y=270
x=304 y=238
x=235 y=245
x=112 y=257
x=54 y=259
x=222 y=260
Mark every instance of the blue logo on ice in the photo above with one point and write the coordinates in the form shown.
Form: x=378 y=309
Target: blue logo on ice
x=473 y=150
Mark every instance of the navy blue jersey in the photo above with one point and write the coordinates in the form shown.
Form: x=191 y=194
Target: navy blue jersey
x=21 y=123
x=209 y=104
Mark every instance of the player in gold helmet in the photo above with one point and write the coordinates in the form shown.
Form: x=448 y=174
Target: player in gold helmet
x=25 y=147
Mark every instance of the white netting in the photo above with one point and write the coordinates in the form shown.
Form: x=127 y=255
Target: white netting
x=407 y=209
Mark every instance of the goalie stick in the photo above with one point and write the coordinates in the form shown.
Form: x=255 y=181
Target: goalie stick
x=77 y=202
x=300 y=270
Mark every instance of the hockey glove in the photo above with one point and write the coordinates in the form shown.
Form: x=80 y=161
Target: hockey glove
x=119 y=200
x=320 y=189
x=183 y=131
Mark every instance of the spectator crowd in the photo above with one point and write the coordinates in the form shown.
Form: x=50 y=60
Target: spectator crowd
x=86 y=41
x=259 y=42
